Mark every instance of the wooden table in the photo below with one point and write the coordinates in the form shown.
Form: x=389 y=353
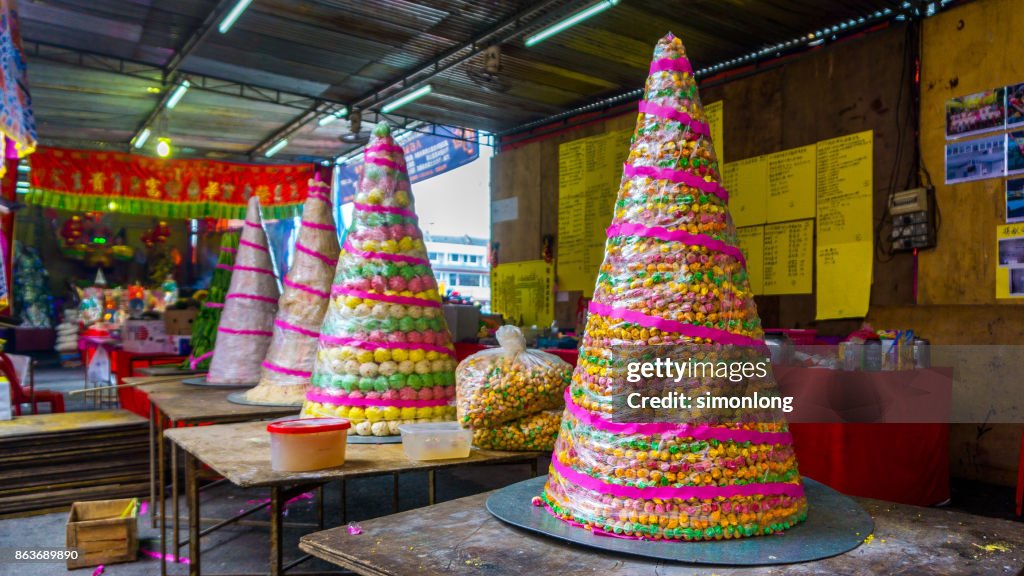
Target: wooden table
x=241 y=453
x=173 y=403
x=461 y=537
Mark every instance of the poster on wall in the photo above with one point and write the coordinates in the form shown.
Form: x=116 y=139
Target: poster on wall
x=1015 y=201
x=974 y=113
x=1010 y=261
x=976 y=159
x=426 y=155
x=1015 y=105
x=1015 y=153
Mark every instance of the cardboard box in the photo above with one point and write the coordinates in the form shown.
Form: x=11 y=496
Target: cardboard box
x=181 y=345
x=145 y=337
x=463 y=321
x=179 y=322
x=103 y=532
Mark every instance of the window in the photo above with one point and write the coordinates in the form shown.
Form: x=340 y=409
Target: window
x=432 y=256
x=472 y=258
x=469 y=280
x=452 y=279
x=453 y=258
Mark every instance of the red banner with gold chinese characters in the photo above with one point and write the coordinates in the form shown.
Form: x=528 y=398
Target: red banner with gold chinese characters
x=86 y=180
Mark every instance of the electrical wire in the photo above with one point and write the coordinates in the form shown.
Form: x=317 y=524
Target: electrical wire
x=883 y=243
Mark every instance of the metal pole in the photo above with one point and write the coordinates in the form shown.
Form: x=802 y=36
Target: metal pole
x=344 y=505
x=192 y=486
x=276 y=540
x=152 y=466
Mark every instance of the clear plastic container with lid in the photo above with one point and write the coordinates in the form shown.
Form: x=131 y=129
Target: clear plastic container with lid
x=435 y=440
x=302 y=445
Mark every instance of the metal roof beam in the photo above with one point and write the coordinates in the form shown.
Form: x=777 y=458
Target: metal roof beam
x=507 y=30
x=171 y=73
x=503 y=32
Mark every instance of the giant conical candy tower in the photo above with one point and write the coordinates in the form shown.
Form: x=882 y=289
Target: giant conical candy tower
x=249 y=307
x=385 y=355
x=672 y=279
x=204 y=329
x=289 y=362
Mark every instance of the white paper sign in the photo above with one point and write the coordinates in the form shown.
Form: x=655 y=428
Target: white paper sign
x=504 y=210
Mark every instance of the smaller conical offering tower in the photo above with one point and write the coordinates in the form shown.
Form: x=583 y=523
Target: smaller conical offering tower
x=673 y=285
x=300 y=312
x=249 y=307
x=204 y=329
x=385 y=355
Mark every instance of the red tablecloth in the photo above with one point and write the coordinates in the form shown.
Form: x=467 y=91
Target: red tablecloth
x=906 y=463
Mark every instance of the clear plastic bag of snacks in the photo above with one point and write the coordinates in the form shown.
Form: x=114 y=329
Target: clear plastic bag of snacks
x=502 y=384
x=536 y=432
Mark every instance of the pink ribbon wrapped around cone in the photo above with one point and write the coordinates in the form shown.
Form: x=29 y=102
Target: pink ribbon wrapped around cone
x=385 y=356
x=673 y=284
x=289 y=361
x=247 y=318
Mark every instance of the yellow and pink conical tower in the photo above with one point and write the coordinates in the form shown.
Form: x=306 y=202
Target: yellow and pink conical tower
x=385 y=355
x=673 y=277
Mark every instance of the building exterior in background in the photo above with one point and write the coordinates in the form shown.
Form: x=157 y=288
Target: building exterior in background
x=460 y=265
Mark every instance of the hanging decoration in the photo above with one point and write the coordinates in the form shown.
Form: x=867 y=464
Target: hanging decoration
x=87 y=238
x=81 y=180
x=17 y=124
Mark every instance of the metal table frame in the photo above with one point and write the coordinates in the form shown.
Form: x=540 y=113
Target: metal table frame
x=281 y=492
x=159 y=422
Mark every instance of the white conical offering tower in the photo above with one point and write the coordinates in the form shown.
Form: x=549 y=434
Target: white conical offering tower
x=249 y=307
x=385 y=355
x=673 y=277
x=300 y=312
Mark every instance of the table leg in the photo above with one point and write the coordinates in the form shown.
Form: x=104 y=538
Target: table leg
x=344 y=504
x=276 y=531
x=431 y=488
x=320 y=507
x=192 y=487
x=394 y=497
x=174 y=499
x=163 y=499
x=152 y=466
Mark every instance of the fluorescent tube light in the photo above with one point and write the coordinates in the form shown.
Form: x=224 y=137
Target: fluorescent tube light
x=333 y=116
x=140 y=140
x=233 y=15
x=570 y=21
x=276 y=148
x=414 y=95
x=178 y=94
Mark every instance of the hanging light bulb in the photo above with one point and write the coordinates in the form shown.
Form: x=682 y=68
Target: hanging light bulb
x=163 y=147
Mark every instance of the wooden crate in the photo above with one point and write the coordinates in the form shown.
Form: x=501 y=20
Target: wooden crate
x=100 y=534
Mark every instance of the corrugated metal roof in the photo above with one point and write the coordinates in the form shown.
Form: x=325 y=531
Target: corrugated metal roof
x=341 y=50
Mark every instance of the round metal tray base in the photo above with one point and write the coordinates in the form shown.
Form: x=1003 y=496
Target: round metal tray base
x=835 y=524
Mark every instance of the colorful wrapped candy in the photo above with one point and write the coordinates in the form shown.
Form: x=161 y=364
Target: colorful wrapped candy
x=288 y=365
x=672 y=276
x=502 y=384
x=385 y=355
x=535 y=432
